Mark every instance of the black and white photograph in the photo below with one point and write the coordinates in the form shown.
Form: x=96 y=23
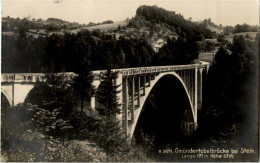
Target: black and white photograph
x=130 y=80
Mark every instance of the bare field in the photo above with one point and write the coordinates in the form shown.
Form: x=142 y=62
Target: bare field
x=251 y=34
x=218 y=31
x=104 y=27
x=208 y=57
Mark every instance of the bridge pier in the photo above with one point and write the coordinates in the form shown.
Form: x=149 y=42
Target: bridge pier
x=196 y=94
x=125 y=105
x=119 y=84
x=188 y=81
x=152 y=76
x=200 y=88
x=149 y=80
x=184 y=77
x=192 y=88
x=132 y=97
x=144 y=81
x=95 y=83
x=138 y=90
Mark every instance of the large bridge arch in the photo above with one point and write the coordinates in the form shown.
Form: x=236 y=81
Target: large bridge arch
x=149 y=89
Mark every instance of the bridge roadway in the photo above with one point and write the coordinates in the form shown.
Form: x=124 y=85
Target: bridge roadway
x=16 y=86
x=35 y=77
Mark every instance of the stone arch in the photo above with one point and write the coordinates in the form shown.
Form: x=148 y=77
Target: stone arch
x=149 y=89
x=7 y=97
x=22 y=91
x=37 y=93
x=28 y=95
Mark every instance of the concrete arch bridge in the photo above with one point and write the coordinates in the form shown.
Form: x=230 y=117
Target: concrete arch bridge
x=135 y=86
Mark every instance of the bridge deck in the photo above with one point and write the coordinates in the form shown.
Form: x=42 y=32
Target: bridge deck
x=34 y=77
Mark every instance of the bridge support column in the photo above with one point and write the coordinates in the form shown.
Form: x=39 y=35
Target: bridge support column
x=132 y=97
x=125 y=106
x=152 y=76
x=138 y=91
x=196 y=94
x=188 y=81
x=119 y=82
x=149 y=79
x=12 y=95
x=192 y=88
x=200 y=89
x=92 y=102
x=184 y=77
x=95 y=83
x=144 y=81
x=179 y=73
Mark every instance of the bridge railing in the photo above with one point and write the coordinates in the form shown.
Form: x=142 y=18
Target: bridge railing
x=34 y=77
x=154 y=69
x=30 y=77
x=22 y=77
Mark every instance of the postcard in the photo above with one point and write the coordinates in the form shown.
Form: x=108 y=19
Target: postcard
x=130 y=81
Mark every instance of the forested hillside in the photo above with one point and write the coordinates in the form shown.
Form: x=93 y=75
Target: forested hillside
x=183 y=27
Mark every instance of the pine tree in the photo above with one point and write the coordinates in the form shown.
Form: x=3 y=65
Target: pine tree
x=82 y=83
x=112 y=139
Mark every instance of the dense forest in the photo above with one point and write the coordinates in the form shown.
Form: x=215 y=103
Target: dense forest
x=183 y=27
x=231 y=79
x=66 y=52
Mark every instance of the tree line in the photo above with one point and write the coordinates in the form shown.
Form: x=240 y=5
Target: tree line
x=231 y=88
x=51 y=24
x=227 y=30
x=69 y=52
x=182 y=26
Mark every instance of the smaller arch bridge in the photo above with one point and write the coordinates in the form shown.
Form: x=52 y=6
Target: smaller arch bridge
x=16 y=86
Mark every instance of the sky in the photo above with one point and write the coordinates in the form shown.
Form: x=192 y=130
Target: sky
x=225 y=12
